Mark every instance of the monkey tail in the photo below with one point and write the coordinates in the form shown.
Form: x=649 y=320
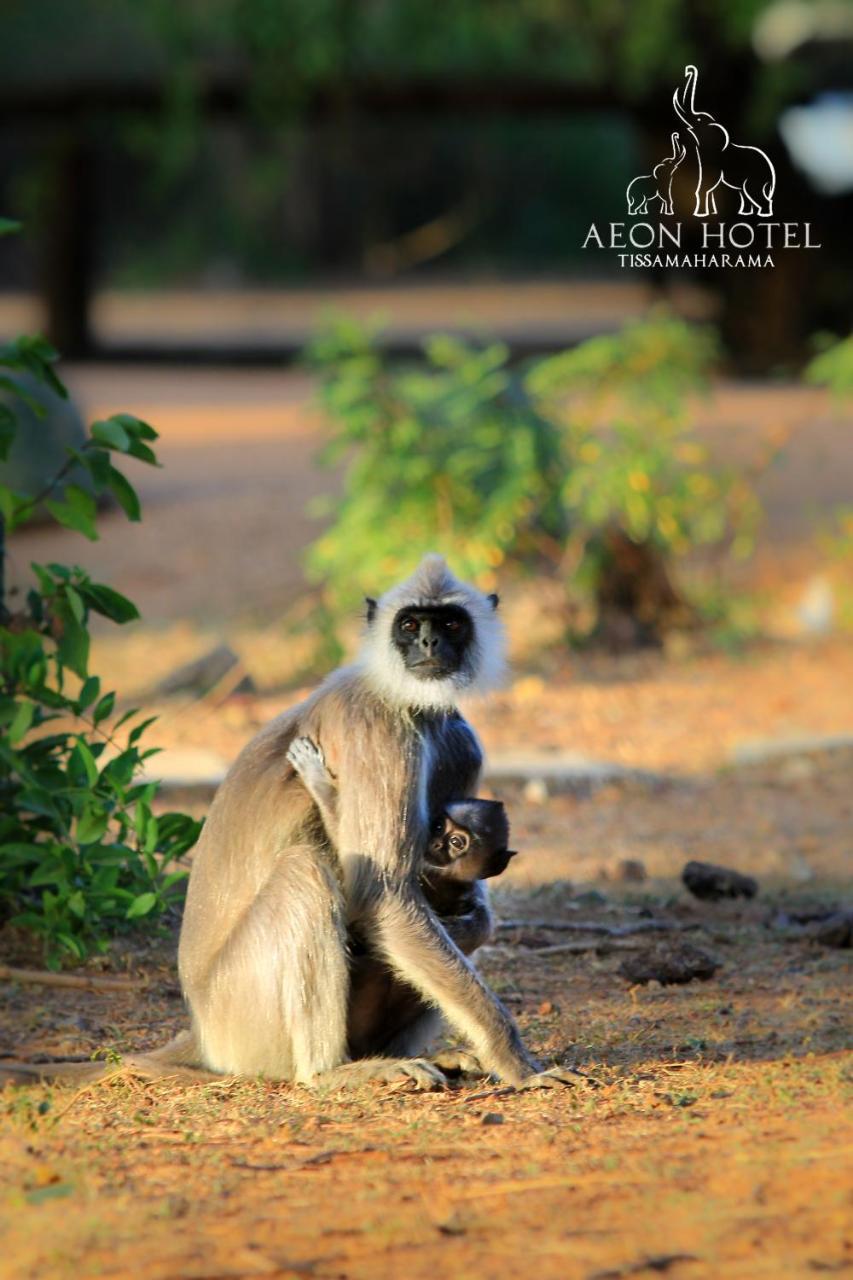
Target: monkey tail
x=179 y=1059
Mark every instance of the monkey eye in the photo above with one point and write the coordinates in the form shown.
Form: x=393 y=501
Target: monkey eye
x=410 y=625
x=459 y=842
x=452 y=624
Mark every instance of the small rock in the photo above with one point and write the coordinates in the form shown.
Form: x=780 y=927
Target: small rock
x=492 y=1117
x=670 y=964
x=836 y=931
x=799 y=869
x=711 y=883
x=816 y=607
x=589 y=898
x=630 y=871
x=536 y=791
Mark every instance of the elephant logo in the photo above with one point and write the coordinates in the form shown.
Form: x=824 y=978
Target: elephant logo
x=656 y=185
x=747 y=170
x=719 y=161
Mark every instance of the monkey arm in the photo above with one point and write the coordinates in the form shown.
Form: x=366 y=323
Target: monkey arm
x=418 y=948
x=308 y=761
x=384 y=795
x=462 y=907
x=473 y=927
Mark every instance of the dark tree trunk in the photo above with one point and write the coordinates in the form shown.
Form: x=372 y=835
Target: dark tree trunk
x=67 y=254
x=637 y=602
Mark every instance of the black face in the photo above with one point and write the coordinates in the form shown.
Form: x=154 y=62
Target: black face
x=469 y=841
x=432 y=642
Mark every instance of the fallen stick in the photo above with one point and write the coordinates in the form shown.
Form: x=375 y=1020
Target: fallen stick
x=562 y=948
x=577 y=948
x=44 y=978
x=588 y=926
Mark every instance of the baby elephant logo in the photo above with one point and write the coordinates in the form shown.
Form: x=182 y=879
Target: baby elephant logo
x=746 y=170
x=656 y=185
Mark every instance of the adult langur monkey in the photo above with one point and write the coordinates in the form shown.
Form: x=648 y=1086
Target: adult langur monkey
x=271 y=903
x=263 y=951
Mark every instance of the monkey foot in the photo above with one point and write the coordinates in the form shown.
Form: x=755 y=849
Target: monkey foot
x=553 y=1078
x=415 y=1071
x=458 y=1062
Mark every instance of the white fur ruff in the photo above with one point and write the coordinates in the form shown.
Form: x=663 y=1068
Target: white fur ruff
x=432 y=584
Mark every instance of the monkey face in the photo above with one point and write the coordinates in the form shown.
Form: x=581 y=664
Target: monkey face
x=433 y=641
x=476 y=850
x=448 y=843
x=479 y=861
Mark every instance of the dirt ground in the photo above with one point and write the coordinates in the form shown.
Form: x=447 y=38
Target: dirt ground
x=710 y=1135
x=711 y=1138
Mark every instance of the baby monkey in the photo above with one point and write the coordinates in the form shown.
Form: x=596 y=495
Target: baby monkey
x=469 y=841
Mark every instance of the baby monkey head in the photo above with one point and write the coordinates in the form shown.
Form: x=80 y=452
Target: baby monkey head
x=470 y=841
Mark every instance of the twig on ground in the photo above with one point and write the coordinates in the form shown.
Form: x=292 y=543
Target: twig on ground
x=79 y=981
x=589 y=926
x=578 y=948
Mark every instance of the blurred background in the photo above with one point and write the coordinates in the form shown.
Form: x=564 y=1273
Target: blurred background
x=654 y=466
x=198 y=179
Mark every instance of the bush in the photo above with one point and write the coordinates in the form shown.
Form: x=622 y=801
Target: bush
x=448 y=454
x=584 y=461
x=82 y=855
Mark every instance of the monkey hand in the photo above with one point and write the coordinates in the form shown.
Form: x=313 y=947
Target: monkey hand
x=307 y=758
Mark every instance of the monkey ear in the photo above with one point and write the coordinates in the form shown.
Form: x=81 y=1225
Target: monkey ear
x=371 y=608
x=494 y=600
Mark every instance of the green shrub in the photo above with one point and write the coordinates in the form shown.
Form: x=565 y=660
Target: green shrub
x=561 y=463
x=449 y=454
x=832 y=367
x=82 y=855
x=633 y=461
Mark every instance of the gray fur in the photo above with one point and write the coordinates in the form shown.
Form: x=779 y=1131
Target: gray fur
x=271 y=901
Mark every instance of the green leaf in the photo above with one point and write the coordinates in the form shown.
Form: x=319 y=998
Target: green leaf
x=77 y=904
x=9 y=227
x=36 y=356
x=111 y=433
x=82 y=756
x=75 y=600
x=89 y=692
x=73 y=643
x=8 y=427
x=121 y=768
x=104 y=708
x=8 y=503
x=92 y=826
x=21 y=393
x=151 y=830
x=125 y=494
x=109 y=603
x=21 y=721
x=141 y=905
x=135 y=427
x=77 y=511
x=138 y=730
x=137 y=432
